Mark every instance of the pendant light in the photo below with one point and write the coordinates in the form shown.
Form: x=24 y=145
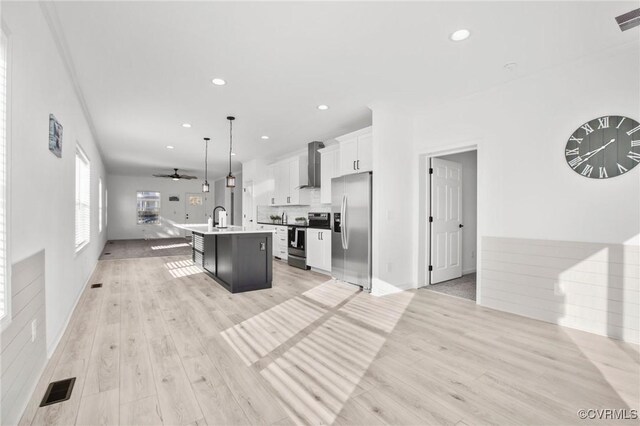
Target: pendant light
x=231 y=179
x=205 y=185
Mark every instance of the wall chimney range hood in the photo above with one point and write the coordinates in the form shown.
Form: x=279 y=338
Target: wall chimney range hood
x=314 y=165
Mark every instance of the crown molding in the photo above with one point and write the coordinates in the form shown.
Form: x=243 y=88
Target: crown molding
x=55 y=27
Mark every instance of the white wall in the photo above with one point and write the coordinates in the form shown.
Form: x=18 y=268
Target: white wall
x=468 y=161
x=525 y=188
x=42 y=201
x=394 y=202
x=122 y=206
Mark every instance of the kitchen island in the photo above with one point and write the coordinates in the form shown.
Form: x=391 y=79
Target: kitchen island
x=238 y=259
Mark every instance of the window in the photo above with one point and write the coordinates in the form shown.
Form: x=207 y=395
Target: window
x=83 y=199
x=100 y=205
x=148 y=207
x=4 y=259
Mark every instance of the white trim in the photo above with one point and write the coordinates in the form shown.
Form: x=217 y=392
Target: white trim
x=365 y=131
x=6 y=318
x=56 y=341
x=84 y=158
x=423 y=262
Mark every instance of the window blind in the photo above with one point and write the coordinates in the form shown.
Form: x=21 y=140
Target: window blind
x=3 y=177
x=100 y=212
x=83 y=199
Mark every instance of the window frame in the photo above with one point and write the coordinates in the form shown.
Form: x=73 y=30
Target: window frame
x=100 y=206
x=6 y=313
x=83 y=157
x=159 y=208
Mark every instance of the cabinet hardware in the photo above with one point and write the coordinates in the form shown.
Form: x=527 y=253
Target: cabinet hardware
x=430 y=268
x=354 y=164
x=358 y=163
x=461 y=226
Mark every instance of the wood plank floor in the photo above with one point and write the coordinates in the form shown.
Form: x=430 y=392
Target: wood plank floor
x=161 y=343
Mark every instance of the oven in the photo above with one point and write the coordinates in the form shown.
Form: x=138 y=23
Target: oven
x=319 y=220
x=296 y=243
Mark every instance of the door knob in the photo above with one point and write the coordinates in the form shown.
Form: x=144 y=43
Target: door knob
x=461 y=226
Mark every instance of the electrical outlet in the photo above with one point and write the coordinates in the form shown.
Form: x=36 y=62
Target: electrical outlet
x=34 y=330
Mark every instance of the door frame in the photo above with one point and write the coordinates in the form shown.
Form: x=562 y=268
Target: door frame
x=425 y=210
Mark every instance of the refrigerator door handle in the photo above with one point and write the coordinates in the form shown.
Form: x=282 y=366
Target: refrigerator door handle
x=344 y=223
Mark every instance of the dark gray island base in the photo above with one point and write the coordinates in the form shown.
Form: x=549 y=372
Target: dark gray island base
x=237 y=261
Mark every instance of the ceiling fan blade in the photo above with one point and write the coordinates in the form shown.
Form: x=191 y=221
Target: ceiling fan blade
x=187 y=177
x=163 y=176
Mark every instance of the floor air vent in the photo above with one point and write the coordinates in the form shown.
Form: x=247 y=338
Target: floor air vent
x=58 y=391
x=629 y=20
x=96 y=285
x=107 y=254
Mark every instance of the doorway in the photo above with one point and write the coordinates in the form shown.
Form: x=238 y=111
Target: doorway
x=247 y=204
x=453 y=224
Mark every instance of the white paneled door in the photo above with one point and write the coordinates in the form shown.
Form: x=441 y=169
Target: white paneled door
x=446 y=225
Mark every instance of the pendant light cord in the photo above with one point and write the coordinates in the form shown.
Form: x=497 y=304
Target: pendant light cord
x=206 y=154
x=230 y=143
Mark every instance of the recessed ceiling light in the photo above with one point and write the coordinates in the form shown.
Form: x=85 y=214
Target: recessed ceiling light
x=218 y=82
x=186 y=125
x=323 y=107
x=169 y=147
x=265 y=137
x=460 y=35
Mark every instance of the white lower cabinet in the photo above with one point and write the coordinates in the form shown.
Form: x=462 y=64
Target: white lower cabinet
x=280 y=245
x=319 y=249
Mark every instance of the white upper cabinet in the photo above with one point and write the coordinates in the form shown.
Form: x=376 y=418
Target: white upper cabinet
x=356 y=152
x=329 y=168
x=288 y=176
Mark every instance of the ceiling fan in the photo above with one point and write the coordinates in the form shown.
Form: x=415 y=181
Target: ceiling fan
x=176 y=176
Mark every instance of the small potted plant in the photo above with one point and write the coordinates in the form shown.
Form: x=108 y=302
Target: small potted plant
x=301 y=220
x=275 y=218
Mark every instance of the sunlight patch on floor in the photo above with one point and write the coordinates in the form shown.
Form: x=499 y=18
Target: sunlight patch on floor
x=316 y=376
x=380 y=312
x=624 y=375
x=331 y=293
x=182 y=268
x=170 y=246
x=259 y=335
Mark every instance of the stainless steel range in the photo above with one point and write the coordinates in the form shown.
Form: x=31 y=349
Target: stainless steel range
x=296 y=242
x=297 y=238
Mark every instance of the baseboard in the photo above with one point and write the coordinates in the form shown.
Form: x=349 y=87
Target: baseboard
x=52 y=348
x=383 y=288
x=321 y=271
x=469 y=271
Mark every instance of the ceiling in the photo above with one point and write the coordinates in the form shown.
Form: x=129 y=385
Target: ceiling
x=145 y=68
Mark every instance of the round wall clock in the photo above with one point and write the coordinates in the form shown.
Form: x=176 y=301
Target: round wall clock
x=604 y=147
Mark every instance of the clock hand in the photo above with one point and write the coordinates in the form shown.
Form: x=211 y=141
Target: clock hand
x=590 y=154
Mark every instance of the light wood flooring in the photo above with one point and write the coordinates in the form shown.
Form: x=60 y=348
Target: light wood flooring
x=161 y=343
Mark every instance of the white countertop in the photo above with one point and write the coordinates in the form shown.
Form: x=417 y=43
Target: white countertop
x=203 y=228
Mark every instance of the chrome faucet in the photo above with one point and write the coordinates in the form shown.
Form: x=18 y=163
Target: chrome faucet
x=215 y=220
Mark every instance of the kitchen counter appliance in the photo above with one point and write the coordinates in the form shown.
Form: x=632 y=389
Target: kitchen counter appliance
x=351 y=233
x=296 y=242
x=319 y=220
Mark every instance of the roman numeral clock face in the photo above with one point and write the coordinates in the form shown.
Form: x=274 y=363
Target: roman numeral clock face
x=604 y=147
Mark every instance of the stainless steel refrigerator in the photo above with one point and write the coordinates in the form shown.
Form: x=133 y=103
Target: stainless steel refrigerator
x=351 y=229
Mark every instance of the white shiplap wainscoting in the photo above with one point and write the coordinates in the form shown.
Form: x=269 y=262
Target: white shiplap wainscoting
x=22 y=358
x=588 y=286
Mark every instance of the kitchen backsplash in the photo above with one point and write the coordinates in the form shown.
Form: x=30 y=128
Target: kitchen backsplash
x=293 y=211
